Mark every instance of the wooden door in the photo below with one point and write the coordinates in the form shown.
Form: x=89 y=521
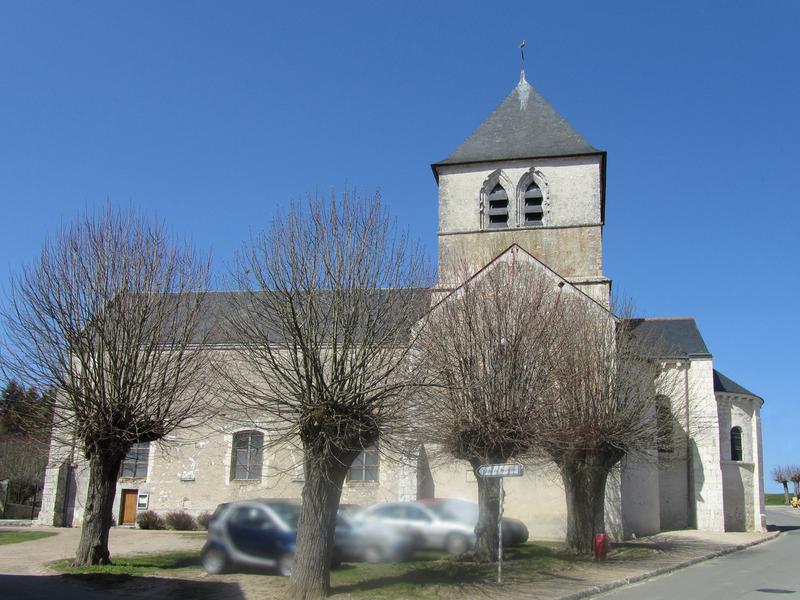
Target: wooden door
x=127 y=513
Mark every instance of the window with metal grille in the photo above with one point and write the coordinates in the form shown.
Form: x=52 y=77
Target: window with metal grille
x=736 y=444
x=498 y=207
x=365 y=466
x=533 y=211
x=135 y=462
x=248 y=449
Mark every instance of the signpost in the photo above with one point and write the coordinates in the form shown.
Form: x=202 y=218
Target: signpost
x=498 y=472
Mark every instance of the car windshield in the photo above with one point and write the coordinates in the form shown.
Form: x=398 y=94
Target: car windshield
x=288 y=513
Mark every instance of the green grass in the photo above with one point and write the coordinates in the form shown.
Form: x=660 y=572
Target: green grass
x=144 y=564
x=429 y=574
x=438 y=575
x=775 y=499
x=15 y=537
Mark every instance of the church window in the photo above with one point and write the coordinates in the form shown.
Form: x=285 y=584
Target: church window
x=135 y=462
x=664 y=424
x=533 y=211
x=248 y=451
x=736 y=444
x=365 y=466
x=498 y=207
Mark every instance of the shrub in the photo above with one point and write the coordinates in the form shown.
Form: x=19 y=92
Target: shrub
x=181 y=521
x=203 y=519
x=150 y=520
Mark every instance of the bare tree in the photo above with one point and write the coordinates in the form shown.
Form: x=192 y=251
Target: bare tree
x=793 y=473
x=109 y=316
x=323 y=324
x=780 y=474
x=486 y=354
x=602 y=409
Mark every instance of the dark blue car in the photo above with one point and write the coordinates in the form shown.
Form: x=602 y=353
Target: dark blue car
x=259 y=533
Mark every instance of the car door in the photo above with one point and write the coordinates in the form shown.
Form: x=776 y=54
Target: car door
x=253 y=532
x=424 y=526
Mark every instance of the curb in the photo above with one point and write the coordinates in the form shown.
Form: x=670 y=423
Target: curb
x=607 y=587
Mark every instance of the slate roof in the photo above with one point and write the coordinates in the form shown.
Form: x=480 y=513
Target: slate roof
x=217 y=307
x=669 y=338
x=523 y=126
x=727 y=385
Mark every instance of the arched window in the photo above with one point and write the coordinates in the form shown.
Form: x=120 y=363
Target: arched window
x=533 y=213
x=135 y=462
x=736 y=444
x=664 y=423
x=498 y=207
x=248 y=449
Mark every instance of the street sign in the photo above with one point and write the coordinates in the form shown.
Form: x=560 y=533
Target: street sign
x=498 y=472
x=506 y=470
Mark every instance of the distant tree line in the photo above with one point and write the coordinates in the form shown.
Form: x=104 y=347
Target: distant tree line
x=25 y=415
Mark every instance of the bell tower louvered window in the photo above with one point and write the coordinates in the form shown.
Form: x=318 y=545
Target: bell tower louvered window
x=498 y=207
x=533 y=211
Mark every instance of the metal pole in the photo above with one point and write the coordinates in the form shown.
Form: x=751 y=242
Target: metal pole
x=500 y=533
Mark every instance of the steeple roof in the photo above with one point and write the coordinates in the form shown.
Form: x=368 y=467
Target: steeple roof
x=523 y=126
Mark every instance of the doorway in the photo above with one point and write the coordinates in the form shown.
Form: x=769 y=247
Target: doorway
x=127 y=511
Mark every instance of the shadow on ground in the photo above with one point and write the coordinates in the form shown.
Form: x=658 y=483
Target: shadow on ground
x=101 y=587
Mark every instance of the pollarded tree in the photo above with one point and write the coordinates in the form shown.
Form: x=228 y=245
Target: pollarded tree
x=109 y=317
x=486 y=355
x=602 y=409
x=793 y=473
x=780 y=475
x=323 y=318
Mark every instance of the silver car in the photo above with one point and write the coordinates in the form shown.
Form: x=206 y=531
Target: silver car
x=431 y=529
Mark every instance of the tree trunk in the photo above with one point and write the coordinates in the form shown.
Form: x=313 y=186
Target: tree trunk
x=486 y=528
x=93 y=545
x=786 y=500
x=796 y=489
x=585 y=487
x=311 y=572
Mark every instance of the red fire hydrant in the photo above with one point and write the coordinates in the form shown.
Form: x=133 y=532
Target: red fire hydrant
x=600 y=546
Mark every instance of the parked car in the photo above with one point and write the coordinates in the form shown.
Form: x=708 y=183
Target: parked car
x=263 y=533
x=255 y=532
x=369 y=541
x=431 y=530
x=514 y=531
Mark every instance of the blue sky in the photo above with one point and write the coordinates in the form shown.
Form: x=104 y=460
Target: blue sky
x=216 y=114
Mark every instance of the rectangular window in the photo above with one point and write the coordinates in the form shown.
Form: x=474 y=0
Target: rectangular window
x=365 y=466
x=135 y=462
x=248 y=449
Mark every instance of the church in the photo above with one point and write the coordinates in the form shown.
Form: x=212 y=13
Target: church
x=525 y=184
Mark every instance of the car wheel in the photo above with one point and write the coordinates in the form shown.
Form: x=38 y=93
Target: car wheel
x=457 y=544
x=285 y=563
x=214 y=560
x=373 y=555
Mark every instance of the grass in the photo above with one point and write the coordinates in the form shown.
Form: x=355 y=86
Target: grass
x=144 y=564
x=438 y=575
x=15 y=537
x=775 y=499
x=429 y=574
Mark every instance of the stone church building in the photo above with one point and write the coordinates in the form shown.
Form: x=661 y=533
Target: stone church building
x=524 y=186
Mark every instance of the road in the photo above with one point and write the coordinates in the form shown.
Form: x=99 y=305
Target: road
x=768 y=569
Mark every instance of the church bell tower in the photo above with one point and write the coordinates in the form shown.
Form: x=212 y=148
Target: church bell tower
x=524 y=176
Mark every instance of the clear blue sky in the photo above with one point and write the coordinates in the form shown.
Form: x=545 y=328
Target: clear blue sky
x=214 y=114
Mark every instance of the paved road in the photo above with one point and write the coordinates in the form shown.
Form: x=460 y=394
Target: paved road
x=769 y=569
